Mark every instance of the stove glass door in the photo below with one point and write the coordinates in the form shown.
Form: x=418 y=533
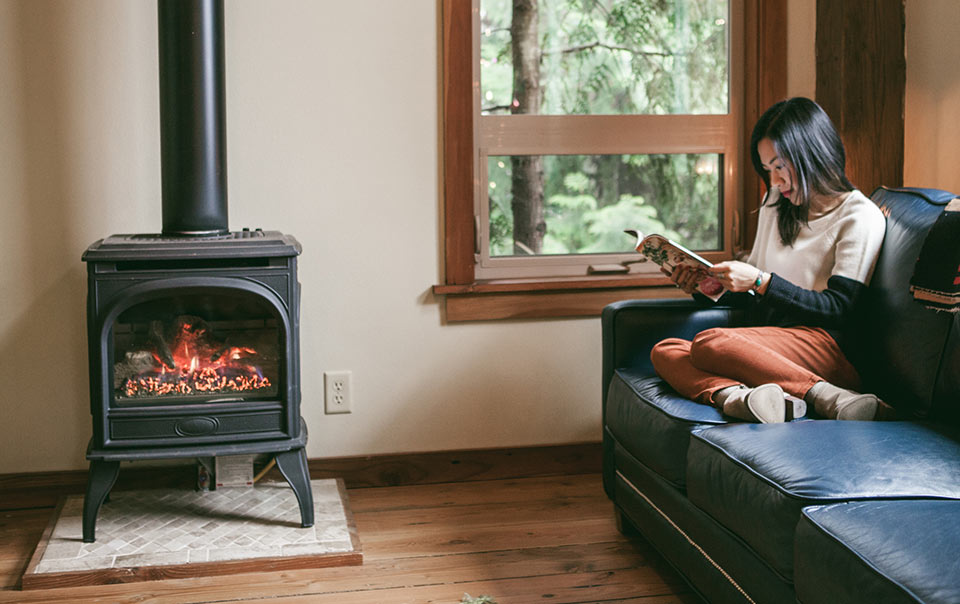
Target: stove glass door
x=197 y=348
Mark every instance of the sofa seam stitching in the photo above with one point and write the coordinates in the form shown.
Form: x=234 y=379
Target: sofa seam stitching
x=690 y=540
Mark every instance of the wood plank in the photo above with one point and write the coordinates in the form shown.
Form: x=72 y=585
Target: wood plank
x=531 y=513
x=491 y=286
x=460 y=466
x=504 y=514
x=391 y=574
x=429 y=497
x=20 y=530
x=11 y=569
x=560 y=589
x=42 y=545
x=531 y=305
x=456 y=540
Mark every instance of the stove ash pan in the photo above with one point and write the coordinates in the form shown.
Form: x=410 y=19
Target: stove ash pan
x=193 y=341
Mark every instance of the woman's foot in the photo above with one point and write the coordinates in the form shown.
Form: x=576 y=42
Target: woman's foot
x=833 y=402
x=765 y=404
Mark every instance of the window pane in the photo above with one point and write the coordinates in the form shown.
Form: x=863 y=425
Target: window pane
x=580 y=204
x=604 y=57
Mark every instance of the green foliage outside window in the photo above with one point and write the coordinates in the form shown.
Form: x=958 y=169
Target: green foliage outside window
x=612 y=57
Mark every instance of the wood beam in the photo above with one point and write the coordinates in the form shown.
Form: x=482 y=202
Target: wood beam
x=861 y=81
x=766 y=56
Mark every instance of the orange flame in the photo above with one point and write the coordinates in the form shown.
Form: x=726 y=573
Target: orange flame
x=198 y=367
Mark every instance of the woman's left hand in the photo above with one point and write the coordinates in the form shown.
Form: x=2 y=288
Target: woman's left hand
x=736 y=276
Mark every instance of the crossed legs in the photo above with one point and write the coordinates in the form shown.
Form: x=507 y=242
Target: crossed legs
x=795 y=358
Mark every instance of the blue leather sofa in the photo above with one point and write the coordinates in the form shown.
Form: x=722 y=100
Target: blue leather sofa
x=813 y=511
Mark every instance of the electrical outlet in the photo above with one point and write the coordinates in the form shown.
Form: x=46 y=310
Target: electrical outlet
x=337 y=392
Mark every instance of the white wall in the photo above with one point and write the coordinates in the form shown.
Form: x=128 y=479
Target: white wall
x=801 y=48
x=932 y=112
x=333 y=133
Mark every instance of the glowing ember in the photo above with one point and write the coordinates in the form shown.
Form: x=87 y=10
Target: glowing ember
x=190 y=361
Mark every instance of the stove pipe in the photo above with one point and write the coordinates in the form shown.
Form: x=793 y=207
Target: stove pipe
x=193 y=146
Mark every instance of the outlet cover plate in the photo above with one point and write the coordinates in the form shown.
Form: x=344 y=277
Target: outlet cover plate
x=338 y=393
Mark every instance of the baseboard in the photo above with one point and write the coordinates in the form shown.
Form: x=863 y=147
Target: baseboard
x=44 y=489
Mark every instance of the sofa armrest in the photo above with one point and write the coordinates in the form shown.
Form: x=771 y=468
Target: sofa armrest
x=631 y=328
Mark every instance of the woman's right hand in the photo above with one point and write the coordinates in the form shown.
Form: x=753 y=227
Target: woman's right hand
x=684 y=276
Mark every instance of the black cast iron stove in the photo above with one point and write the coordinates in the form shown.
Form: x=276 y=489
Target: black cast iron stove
x=193 y=333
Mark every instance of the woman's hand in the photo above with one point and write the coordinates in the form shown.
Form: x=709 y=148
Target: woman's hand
x=685 y=277
x=738 y=276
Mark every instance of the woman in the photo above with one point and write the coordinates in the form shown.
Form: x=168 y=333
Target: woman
x=817 y=242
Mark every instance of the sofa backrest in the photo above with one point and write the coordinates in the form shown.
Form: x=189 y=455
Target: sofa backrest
x=904 y=350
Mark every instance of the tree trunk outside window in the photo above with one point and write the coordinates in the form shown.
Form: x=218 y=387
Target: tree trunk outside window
x=527 y=171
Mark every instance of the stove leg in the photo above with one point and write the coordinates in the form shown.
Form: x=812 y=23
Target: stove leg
x=99 y=482
x=293 y=466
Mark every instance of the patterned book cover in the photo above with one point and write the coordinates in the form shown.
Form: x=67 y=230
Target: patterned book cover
x=669 y=254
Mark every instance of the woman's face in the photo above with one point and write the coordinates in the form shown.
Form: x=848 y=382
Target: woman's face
x=781 y=172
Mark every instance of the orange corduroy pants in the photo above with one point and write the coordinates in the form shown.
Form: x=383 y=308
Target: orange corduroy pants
x=796 y=358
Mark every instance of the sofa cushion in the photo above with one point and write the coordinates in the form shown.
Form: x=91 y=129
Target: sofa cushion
x=879 y=551
x=755 y=478
x=653 y=422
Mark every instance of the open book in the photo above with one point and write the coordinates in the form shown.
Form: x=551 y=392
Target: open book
x=670 y=254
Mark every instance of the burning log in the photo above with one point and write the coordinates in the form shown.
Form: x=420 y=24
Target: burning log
x=184 y=357
x=159 y=342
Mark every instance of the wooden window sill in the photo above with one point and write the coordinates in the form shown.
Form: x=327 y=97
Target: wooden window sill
x=534 y=299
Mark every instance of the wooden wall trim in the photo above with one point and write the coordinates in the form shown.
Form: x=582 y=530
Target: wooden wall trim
x=457 y=151
x=765 y=80
x=861 y=83
x=535 y=305
x=44 y=489
x=765 y=55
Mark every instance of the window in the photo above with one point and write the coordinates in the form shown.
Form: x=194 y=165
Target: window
x=566 y=122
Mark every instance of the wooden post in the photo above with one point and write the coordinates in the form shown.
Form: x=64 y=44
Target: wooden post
x=861 y=79
x=765 y=56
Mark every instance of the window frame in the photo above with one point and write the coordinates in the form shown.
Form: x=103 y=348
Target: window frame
x=757 y=78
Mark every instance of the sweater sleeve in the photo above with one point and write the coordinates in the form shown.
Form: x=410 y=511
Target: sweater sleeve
x=788 y=304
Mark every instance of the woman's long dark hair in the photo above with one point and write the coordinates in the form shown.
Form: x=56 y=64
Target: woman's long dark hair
x=802 y=134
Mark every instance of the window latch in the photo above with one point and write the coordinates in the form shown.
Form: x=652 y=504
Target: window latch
x=600 y=269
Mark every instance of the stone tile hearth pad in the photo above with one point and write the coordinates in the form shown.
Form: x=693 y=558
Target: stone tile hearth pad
x=195 y=533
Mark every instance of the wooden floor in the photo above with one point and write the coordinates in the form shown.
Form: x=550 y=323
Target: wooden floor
x=549 y=539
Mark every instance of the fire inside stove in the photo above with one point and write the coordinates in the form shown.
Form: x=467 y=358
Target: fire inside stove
x=189 y=356
x=194 y=363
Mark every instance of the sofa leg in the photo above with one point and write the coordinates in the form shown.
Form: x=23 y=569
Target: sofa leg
x=625 y=525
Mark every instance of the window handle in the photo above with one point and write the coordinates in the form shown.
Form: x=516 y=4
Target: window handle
x=597 y=269
x=622 y=267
